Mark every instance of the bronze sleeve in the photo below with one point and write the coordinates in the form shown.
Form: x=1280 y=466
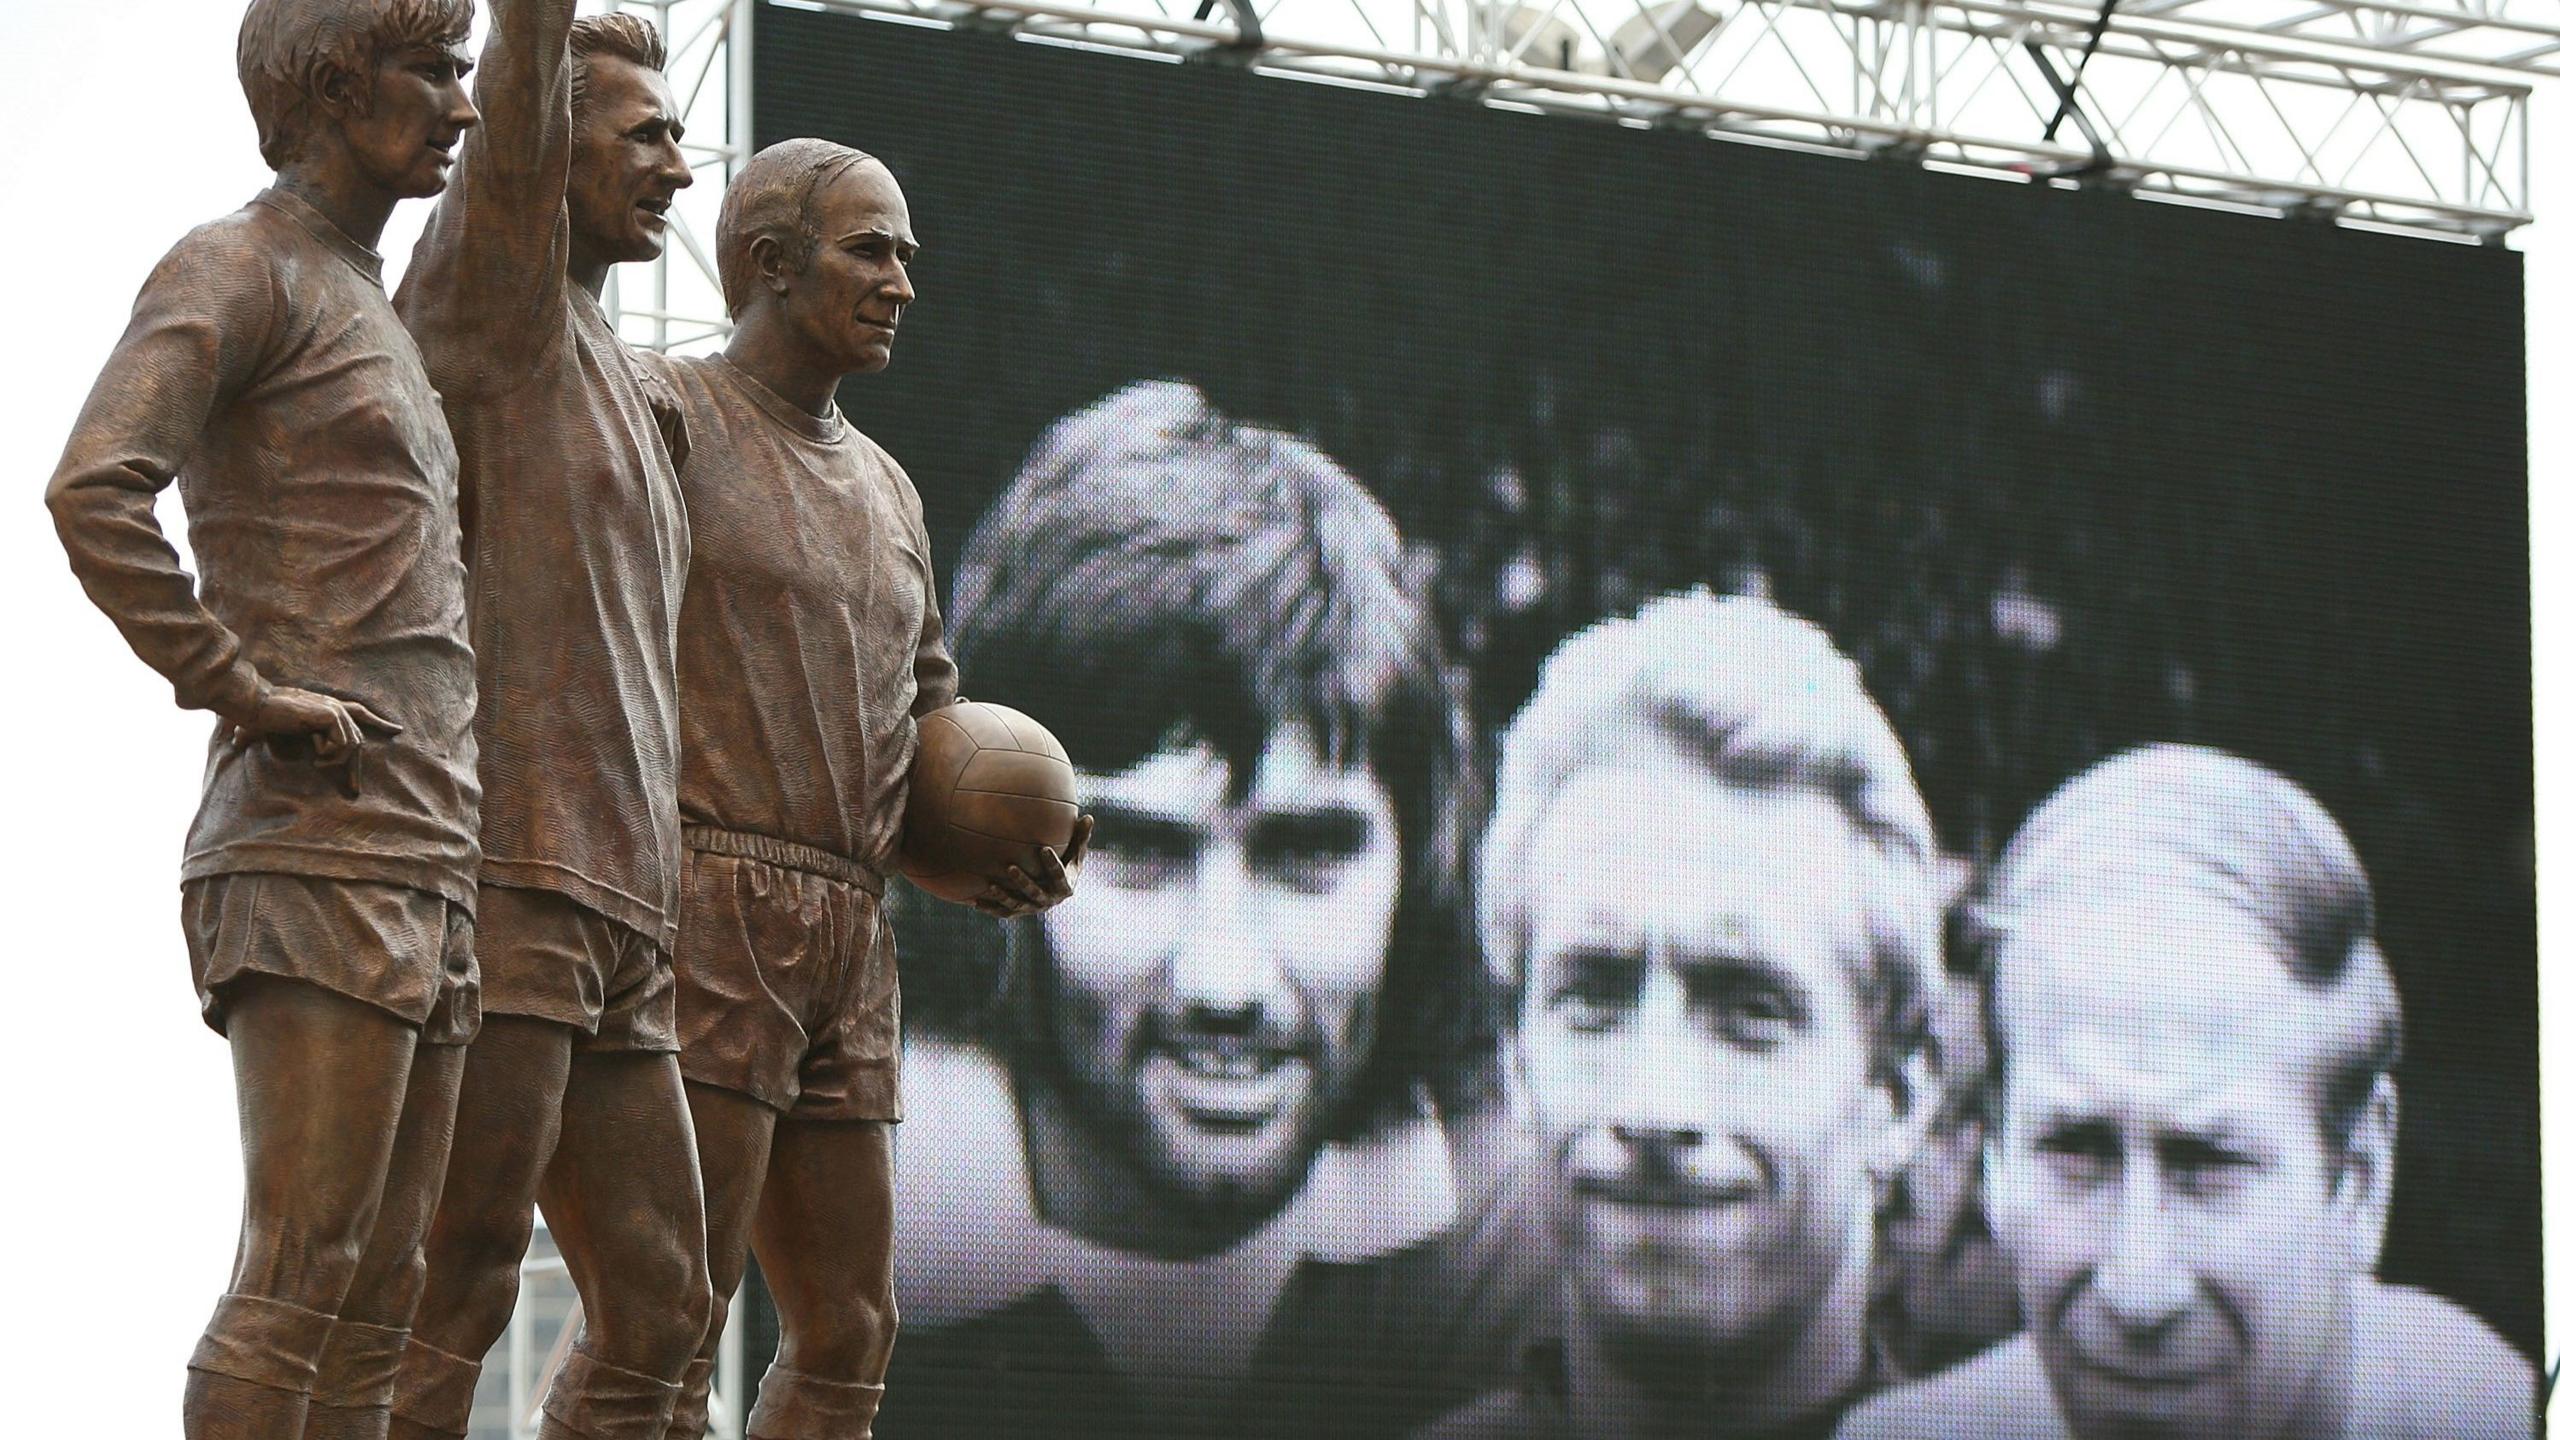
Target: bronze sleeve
x=198 y=332
x=487 y=290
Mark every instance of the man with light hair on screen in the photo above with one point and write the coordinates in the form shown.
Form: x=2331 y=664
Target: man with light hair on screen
x=2193 y=1036
x=1714 y=883
x=1200 y=1169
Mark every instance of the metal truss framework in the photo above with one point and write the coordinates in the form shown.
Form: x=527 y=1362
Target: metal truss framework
x=2405 y=114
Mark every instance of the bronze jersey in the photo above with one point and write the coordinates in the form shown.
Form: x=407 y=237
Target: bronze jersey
x=266 y=374
x=811 y=638
x=572 y=520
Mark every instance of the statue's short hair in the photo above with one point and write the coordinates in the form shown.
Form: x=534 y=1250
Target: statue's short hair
x=286 y=46
x=622 y=35
x=1759 y=699
x=775 y=195
x=1158 y=573
x=2205 y=827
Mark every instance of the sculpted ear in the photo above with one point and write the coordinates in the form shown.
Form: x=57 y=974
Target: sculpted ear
x=339 y=92
x=765 y=252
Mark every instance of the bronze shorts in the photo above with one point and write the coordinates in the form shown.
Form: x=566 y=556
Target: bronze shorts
x=405 y=950
x=546 y=956
x=787 y=978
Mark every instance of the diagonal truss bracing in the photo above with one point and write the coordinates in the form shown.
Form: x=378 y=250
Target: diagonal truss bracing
x=2510 y=34
x=2401 y=113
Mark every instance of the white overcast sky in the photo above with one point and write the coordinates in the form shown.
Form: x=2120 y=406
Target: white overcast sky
x=120 y=1186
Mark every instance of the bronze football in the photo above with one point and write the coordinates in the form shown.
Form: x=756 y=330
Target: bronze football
x=990 y=786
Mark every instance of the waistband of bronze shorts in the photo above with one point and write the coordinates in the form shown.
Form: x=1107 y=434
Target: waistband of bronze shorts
x=789 y=854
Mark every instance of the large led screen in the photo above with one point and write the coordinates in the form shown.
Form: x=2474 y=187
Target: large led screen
x=1740 y=793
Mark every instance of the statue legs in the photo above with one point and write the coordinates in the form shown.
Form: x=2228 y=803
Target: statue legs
x=602 y=1139
x=624 y=1199
x=822 y=1232
x=351 y=1397
x=571 y=1096
x=322 y=1080
x=812 y=1198
x=734 y=1135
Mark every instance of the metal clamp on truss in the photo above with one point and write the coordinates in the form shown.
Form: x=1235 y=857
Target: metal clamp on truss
x=1240 y=50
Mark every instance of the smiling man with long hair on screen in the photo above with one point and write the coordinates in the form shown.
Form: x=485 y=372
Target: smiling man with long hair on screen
x=1200 y=1154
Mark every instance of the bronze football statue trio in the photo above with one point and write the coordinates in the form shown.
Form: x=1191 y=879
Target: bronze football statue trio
x=467 y=771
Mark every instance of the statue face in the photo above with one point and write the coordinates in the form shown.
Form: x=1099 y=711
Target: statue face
x=2184 y=1240
x=847 y=301
x=1214 y=982
x=625 y=167
x=1696 y=1056
x=404 y=138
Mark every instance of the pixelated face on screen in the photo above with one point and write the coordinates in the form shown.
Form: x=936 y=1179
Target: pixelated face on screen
x=2186 y=1237
x=1695 y=1050
x=1214 y=984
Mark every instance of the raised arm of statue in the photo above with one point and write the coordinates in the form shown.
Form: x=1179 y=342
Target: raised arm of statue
x=200 y=330
x=487 y=289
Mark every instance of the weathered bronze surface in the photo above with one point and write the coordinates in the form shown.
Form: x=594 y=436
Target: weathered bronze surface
x=577 y=540
x=811 y=643
x=331 y=869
